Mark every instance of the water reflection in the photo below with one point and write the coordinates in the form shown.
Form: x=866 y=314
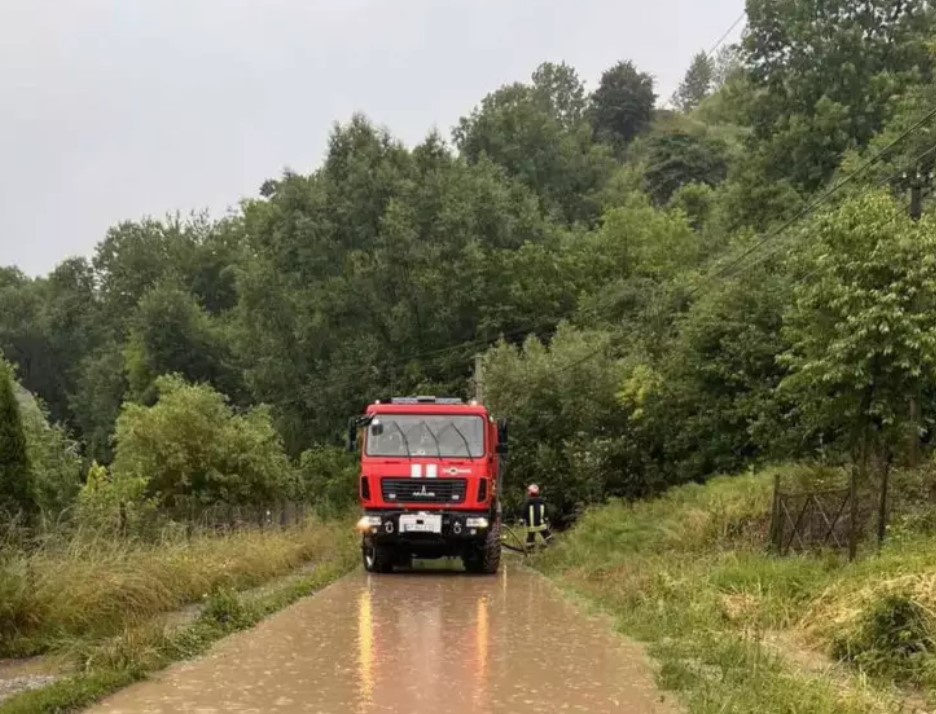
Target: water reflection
x=412 y=644
x=482 y=642
x=366 y=649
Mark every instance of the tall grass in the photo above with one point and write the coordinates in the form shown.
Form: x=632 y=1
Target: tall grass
x=92 y=587
x=690 y=574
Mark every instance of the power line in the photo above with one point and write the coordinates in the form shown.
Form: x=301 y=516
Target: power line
x=724 y=37
x=531 y=329
x=468 y=347
x=812 y=206
x=883 y=182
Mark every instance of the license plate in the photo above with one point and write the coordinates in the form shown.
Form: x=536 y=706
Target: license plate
x=420 y=524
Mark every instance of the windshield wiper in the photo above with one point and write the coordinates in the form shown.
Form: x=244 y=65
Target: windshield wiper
x=458 y=431
x=409 y=454
x=434 y=438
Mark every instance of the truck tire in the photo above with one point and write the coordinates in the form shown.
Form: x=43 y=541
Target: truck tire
x=377 y=558
x=485 y=558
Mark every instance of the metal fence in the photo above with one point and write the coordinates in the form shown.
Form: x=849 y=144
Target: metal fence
x=853 y=510
x=814 y=520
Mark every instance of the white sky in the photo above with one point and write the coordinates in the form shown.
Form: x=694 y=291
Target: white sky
x=117 y=109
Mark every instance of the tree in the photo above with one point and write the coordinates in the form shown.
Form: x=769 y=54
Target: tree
x=99 y=391
x=726 y=66
x=862 y=326
x=191 y=449
x=805 y=113
x=696 y=85
x=567 y=437
x=537 y=132
x=622 y=106
x=55 y=459
x=558 y=89
x=715 y=407
x=16 y=482
x=676 y=157
x=171 y=333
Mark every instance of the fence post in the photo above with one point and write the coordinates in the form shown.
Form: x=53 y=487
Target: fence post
x=775 y=530
x=882 y=507
x=853 y=515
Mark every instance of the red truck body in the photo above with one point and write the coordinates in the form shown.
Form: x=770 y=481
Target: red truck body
x=430 y=480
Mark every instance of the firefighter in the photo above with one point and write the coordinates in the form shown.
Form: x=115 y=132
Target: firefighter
x=534 y=516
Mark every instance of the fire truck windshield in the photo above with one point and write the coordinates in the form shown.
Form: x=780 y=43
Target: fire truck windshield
x=438 y=435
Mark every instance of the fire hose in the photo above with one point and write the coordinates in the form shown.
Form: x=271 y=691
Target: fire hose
x=511 y=541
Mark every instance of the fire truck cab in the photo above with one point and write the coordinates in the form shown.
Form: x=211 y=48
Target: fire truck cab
x=430 y=482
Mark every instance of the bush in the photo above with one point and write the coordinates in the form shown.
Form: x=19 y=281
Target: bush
x=328 y=478
x=568 y=438
x=16 y=484
x=55 y=459
x=191 y=449
x=106 y=505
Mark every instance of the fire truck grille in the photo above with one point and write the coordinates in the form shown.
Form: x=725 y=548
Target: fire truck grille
x=423 y=490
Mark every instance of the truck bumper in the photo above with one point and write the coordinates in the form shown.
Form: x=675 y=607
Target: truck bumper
x=457 y=527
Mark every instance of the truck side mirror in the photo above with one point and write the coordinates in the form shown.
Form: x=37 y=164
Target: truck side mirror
x=376 y=428
x=352 y=434
x=502 y=436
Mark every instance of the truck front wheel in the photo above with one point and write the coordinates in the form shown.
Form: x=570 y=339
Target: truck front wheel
x=377 y=558
x=484 y=558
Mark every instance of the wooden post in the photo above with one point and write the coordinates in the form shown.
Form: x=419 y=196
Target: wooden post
x=882 y=506
x=853 y=515
x=916 y=213
x=776 y=532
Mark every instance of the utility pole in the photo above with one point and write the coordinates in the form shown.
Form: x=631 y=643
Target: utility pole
x=479 y=378
x=916 y=181
x=916 y=197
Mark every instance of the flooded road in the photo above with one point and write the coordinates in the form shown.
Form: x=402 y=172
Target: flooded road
x=411 y=643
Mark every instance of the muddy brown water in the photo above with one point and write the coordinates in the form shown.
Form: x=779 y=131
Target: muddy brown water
x=411 y=643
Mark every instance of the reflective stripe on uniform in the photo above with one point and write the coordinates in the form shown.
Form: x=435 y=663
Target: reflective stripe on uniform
x=531 y=521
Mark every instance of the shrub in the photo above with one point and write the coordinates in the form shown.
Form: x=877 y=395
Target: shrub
x=328 y=478
x=106 y=505
x=192 y=449
x=16 y=483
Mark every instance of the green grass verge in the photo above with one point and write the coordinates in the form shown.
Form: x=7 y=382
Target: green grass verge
x=88 y=588
x=688 y=575
x=109 y=664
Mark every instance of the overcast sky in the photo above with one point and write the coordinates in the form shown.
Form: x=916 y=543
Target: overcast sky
x=117 y=109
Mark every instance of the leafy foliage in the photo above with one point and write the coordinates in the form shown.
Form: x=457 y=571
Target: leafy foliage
x=16 y=483
x=676 y=157
x=622 y=106
x=862 y=331
x=190 y=448
x=697 y=83
x=806 y=112
x=387 y=268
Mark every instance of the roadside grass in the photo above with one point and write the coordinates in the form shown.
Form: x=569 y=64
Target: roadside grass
x=112 y=636
x=689 y=574
x=89 y=587
x=116 y=663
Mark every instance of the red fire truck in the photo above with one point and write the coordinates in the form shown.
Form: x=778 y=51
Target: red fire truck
x=431 y=471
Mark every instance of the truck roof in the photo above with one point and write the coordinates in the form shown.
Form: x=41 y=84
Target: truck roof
x=427 y=405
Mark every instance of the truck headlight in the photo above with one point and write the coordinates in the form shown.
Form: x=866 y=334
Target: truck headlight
x=368 y=522
x=477 y=522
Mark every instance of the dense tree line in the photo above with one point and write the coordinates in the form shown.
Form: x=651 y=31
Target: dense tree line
x=643 y=323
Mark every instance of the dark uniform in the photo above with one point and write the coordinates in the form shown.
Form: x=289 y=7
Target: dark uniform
x=534 y=516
